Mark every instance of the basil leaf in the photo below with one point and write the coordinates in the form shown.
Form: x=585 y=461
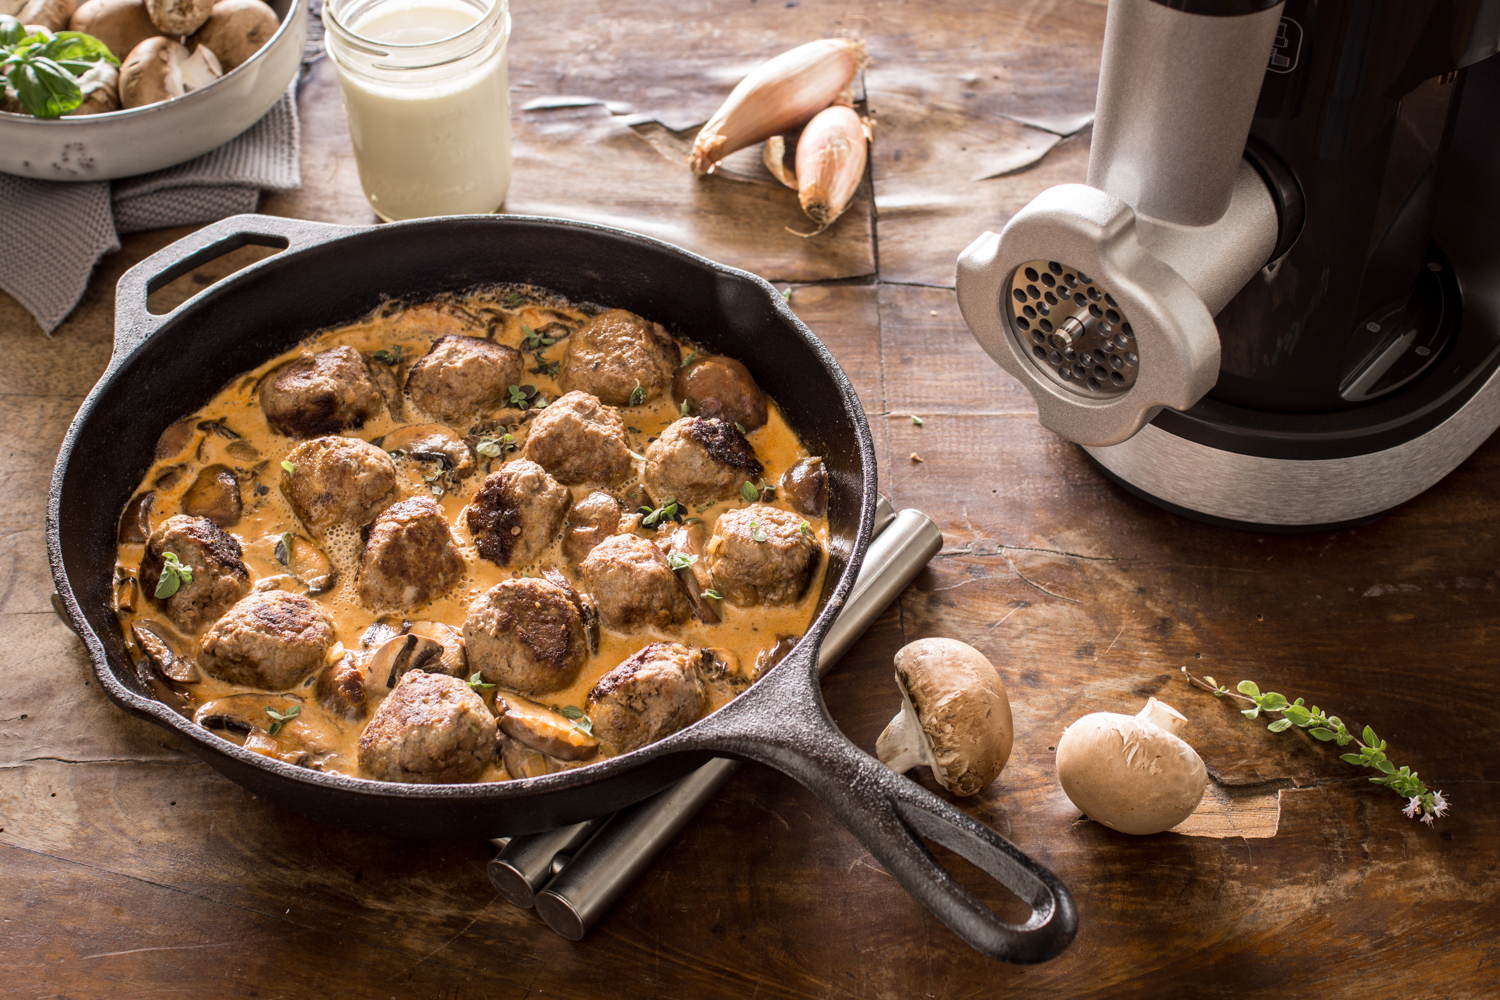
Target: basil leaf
x=12 y=31
x=45 y=88
x=76 y=47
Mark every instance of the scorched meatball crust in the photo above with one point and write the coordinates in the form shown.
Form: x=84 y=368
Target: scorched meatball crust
x=468 y=549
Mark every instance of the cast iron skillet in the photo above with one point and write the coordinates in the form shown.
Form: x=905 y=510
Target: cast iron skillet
x=167 y=366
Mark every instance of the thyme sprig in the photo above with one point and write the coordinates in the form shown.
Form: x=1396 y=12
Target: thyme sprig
x=1421 y=800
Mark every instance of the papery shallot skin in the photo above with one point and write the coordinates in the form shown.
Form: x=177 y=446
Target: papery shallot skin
x=779 y=96
x=830 y=163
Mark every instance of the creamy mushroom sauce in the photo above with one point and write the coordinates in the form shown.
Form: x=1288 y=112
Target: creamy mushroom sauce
x=327 y=740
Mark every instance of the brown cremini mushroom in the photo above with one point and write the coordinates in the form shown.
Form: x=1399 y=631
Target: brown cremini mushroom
x=1131 y=773
x=119 y=24
x=161 y=68
x=546 y=731
x=53 y=15
x=179 y=17
x=954 y=718
x=236 y=30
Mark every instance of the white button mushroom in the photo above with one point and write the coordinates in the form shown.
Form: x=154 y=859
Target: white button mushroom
x=1131 y=773
x=954 y=718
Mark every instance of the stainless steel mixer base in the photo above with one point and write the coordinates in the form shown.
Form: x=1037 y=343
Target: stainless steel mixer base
x=1291 y=494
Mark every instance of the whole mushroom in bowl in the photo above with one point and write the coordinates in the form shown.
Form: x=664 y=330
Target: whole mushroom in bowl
x=161 y=68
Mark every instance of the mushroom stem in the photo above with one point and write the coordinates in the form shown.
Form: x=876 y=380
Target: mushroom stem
x=900 y=746
x=1159 y=713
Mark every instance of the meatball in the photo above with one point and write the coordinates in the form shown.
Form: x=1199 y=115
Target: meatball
x=762 y=555
x=337 y=481
x=698 y=460
x=269 y=640
x=632 y=584
x=591 y=521
x=579 y=440
x=410 y=556
x=652 y=694
x=460 y=377
x=320 y=394
x=617 y=353
x=526 y=634
x=716 y=386
x=433 y=728
x=515 y=514
x=219 y=574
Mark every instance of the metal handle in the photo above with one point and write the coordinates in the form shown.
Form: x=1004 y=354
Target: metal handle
x=891 y=815
x=134 y=322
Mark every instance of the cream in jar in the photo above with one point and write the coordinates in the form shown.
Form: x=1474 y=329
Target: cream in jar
x=427 y=96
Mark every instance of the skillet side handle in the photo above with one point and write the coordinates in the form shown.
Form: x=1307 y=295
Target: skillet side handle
x=134 y=323
x=890 y=814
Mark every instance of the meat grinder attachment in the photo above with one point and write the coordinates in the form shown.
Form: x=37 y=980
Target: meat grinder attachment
x=1100 y=297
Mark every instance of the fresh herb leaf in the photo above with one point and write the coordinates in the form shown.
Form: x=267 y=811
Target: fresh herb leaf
x=686 y=410
x=284 y=549
x=786 y=294
x=476 y=682
x=536 y=341
x=174 y=573
x=669 y=511
x=805 y=528
x=680 y=560
x=547 y=368
x=289 y=468
x=741 y=428
x=689 y=360
x=282 y=717
x=916 y=420
x=492 y=447
x=571 y=712
x=756 y=532
x=749 y=492
x=518 y=397
x=513 y=300
x=390 y=356
x=637 y=395
x=713 y=595
x=636 y=455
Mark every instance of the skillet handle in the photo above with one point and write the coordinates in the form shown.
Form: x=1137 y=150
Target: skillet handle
x=134 y=323
x=889 y=814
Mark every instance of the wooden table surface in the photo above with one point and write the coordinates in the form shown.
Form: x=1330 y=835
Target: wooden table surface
x=129 y=868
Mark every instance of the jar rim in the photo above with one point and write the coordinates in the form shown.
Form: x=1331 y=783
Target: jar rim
x=334 y=10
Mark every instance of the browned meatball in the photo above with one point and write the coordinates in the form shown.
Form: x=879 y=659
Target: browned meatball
x=433 y=728
x=219 y=574
x=410 y=556
x=652 y=694
x=697 y=460
x=591 y=521
x=461 y=377
x=269 y=640
x=579 y=440
x=338 y=481
x=515 y=514
x=632 y=584
x=716 y=386
x=617 y=353
x=320 y=394
x=526 y=635
x=762 y=555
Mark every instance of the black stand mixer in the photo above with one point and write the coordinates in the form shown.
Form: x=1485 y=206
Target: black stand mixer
x=1276 y=303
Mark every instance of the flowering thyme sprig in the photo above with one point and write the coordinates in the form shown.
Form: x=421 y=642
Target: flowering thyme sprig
x=1421 y=801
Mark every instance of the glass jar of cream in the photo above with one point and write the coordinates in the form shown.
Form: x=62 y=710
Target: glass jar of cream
x=428 y=100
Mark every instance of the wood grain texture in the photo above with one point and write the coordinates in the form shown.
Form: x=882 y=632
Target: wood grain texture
x=129 y=868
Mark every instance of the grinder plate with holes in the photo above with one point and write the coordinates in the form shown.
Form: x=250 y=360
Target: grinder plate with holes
x=1072 y=329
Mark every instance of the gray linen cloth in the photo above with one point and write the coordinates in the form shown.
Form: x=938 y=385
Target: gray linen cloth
x=56 y=232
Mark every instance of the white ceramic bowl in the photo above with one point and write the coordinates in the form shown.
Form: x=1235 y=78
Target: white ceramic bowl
x=124 y=143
